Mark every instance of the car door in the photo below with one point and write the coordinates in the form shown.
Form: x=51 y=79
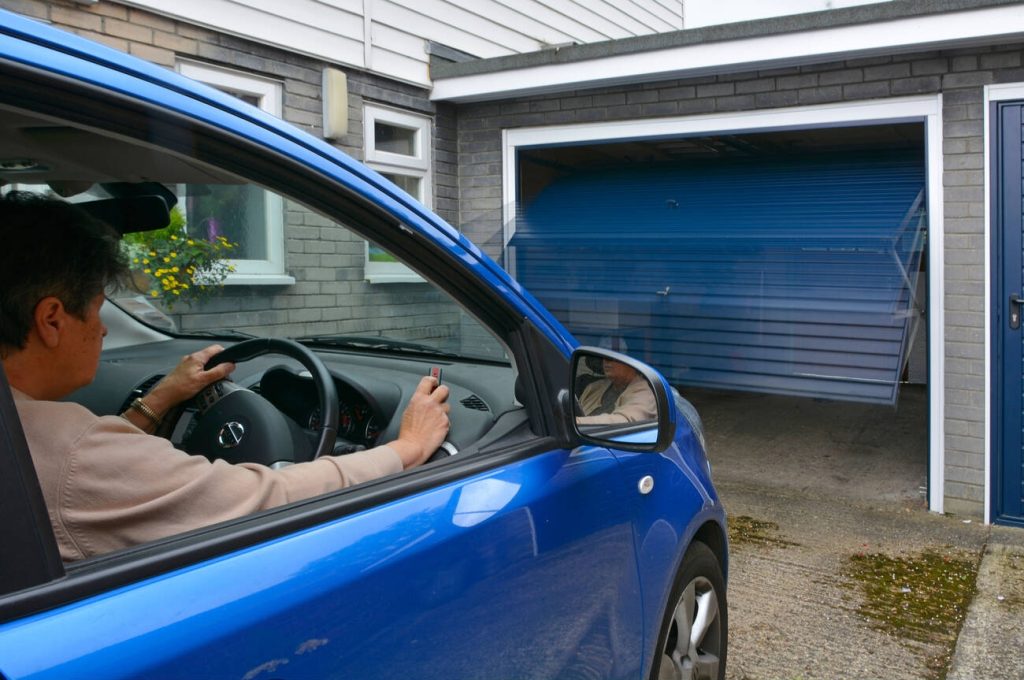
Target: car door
x=521 y=571
x=515 y=562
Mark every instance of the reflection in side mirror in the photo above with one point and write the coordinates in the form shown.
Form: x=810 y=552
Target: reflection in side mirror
x=619 y=402
x=613 y=393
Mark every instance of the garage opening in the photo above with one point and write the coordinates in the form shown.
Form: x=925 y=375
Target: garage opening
x=787 y=266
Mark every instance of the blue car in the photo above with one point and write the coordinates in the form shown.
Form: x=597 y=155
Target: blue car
x=546 y=538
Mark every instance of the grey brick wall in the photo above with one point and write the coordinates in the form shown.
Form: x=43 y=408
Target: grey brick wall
x=959 y=75
x=330 y=294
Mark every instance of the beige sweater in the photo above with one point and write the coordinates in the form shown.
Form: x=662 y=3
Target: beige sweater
x=634 y=405
x=108 y=485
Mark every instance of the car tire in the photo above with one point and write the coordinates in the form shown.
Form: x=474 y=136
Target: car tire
x=698 y=597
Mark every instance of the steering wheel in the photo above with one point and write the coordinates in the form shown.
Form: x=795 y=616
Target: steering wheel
x=240 y=426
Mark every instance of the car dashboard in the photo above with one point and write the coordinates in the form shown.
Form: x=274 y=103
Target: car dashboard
x=373 y=388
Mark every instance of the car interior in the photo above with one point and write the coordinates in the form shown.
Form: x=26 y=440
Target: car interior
x=375 y=340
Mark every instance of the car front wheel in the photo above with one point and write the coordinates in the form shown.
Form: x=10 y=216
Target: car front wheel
x=694 y=632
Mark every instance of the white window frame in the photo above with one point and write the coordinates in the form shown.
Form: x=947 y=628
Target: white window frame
x=417 y=165
x=925 y=109
x=269 y=94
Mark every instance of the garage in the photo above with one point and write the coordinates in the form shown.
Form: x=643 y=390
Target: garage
x=819 y=74
x=782 y=262
x=778 y=278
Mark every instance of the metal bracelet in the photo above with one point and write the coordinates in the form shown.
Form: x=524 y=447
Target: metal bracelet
x=144 y=408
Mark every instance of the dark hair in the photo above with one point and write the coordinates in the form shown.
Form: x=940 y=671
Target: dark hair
x=51 y=247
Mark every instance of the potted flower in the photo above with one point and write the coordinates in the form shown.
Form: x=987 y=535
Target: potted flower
x=173 y=267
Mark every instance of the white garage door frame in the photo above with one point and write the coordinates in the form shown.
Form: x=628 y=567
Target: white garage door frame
x=926 y=109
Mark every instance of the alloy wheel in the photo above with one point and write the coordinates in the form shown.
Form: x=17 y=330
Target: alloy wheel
x=694 y=644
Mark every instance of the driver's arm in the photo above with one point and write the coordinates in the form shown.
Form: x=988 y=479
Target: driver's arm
x=184 y=382
x=109 y=486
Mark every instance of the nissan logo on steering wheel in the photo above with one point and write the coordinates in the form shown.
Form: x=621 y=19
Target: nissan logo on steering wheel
x=231 y=434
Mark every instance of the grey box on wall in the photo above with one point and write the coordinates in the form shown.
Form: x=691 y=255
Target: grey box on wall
x=335 y=99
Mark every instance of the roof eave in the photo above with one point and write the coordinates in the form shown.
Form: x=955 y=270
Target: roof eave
x=676 y=56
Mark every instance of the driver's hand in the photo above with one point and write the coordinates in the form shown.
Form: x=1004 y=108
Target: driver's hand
x=424 y=424
x=186 y=380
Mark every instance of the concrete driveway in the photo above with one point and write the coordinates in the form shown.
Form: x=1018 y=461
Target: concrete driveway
x=838 y=570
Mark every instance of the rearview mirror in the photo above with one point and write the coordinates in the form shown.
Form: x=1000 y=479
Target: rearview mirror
x=620 y=402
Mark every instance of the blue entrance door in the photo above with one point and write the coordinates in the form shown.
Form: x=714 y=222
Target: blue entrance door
x=1008 y=214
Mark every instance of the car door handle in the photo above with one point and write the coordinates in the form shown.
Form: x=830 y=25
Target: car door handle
x=664 y=291
x=1015 y=304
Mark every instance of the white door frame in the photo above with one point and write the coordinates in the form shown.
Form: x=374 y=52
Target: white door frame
x=926 y=109
x=993 y=93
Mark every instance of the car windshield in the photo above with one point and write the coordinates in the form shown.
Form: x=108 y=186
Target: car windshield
x=238 y=260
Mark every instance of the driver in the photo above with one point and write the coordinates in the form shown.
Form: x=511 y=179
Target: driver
x=622 y=396
x=107 y=482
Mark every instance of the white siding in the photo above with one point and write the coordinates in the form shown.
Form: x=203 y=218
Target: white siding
x=389 y=37
x=443 y=22
x=389 y=54
x=712 y=12
x=322 y=29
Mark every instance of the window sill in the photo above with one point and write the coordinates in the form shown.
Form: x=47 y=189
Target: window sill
x=259 y=280
x=394 y=278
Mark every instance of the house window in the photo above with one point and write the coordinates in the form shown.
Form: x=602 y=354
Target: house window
x=397 y=145
x=244 y=214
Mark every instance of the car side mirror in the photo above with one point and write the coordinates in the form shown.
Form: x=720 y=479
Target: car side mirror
x=620 y=402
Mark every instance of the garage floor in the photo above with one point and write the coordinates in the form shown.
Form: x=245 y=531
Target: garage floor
x=809 y=485
x=861 y=451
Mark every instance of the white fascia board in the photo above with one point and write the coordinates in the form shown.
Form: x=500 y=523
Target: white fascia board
x=959 y=29
x=840 y=114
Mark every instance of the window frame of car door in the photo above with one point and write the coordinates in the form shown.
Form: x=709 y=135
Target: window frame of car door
x=542 y=366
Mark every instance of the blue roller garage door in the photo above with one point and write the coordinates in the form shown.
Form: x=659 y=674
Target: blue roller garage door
x=793 y=276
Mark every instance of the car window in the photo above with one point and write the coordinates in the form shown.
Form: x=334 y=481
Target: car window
x=184 y=276
x=176 y=270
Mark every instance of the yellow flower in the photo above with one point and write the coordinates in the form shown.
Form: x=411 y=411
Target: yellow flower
x=167 y=259
x=152 y=253
x=154 y=294
x=173 y=237
x=173 y=254
x=174 y=269
x=147 y=271
x=176 y=292
x=145 y=260
x=135 y=261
